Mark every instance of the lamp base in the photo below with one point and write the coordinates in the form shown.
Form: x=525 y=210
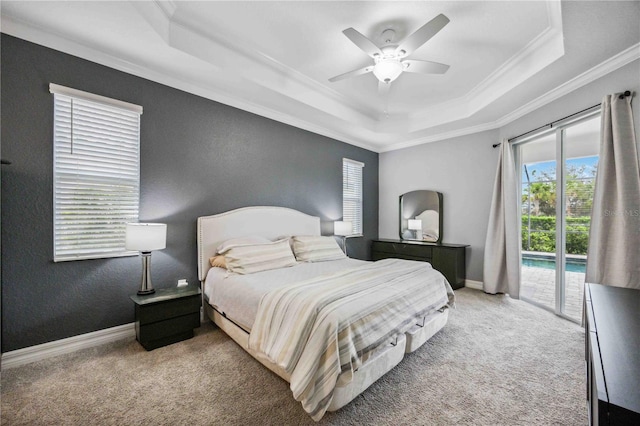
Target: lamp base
x=344 y=244
x=145 y=284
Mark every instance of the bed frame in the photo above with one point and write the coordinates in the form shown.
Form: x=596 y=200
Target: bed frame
x=274 y=222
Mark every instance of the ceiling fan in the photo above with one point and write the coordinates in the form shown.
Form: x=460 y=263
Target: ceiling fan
x=389 y=60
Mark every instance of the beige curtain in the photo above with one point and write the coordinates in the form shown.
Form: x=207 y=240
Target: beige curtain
x=502 y=246
x=613 y=256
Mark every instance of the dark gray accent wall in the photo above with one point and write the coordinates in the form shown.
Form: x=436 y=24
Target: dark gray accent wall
x=198 y=157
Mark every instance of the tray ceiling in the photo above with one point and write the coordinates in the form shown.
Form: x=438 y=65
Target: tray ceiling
x=275 y=58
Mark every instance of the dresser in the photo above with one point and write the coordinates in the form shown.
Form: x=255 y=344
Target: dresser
x=612 y=353
x=449 y=259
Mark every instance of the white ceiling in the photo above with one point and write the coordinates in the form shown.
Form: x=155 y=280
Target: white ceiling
x=275 y=58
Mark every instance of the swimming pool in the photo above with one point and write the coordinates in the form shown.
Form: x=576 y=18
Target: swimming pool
x=573 y=265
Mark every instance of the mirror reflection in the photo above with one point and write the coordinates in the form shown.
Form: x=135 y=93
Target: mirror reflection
x=421 y=216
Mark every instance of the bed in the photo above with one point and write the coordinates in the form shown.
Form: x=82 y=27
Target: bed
x=330 y=328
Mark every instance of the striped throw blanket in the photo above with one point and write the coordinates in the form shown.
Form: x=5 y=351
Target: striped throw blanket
x=329 y=325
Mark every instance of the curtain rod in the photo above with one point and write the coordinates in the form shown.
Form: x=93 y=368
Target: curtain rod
x=550 y=125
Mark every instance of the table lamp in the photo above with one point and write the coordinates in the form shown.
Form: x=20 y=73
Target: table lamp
x=342 y=229
x=145 y=237
x=416 y=225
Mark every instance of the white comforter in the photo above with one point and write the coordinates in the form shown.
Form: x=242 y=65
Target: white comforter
x=238 y=296
x=328 y=326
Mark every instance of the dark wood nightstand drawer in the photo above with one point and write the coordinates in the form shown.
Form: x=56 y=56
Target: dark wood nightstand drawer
x=423 y=252
x=168 y=327
x=146 y=314
x=162 y=333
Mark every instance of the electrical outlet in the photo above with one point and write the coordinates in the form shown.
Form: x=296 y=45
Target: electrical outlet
x=182 y=283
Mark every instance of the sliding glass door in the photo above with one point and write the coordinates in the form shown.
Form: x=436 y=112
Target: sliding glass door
x=557 y=175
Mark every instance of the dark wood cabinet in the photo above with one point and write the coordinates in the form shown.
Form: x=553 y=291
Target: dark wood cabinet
x=612 y=354
x=167 y=316
x=449 y=259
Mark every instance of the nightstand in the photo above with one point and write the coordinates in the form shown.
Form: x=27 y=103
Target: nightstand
x=167 y=316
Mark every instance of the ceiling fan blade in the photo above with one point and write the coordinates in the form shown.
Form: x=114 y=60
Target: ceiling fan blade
x=383 y=88
x=424 y=67
x=422 y=35
x=353 y=73
x=362 y=42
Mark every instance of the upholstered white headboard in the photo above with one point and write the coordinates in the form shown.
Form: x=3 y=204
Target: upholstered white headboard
x=268 y=222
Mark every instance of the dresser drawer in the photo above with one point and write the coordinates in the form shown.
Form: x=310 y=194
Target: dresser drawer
x=419 y=252
x=378 y=255
x=449 y=259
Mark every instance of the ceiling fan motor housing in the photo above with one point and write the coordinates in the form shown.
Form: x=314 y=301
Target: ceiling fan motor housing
x=388 y=35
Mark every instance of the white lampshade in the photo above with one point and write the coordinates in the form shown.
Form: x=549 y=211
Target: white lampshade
x=415 y=224
x=146 y=236
x=342 y=228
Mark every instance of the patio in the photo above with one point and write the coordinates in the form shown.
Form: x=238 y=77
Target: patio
x=538 y=285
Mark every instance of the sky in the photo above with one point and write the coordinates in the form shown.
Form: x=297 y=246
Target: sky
x=536 y=170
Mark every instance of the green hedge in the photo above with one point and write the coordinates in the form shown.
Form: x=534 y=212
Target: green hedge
x=543 y=234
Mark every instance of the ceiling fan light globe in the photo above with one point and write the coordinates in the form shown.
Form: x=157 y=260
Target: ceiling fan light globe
x=388 y=70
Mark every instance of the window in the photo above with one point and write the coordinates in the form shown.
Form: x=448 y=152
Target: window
x=352 y=194
x=558 y=166
x=96 y=174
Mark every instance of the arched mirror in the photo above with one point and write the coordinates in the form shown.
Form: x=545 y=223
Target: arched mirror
x=421 y=216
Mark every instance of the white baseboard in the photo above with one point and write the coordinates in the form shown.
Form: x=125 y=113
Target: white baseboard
x=64 y=346
x=476 y=285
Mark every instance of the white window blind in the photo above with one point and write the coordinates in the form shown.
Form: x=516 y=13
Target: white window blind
x=352 y=194
x=96 y=174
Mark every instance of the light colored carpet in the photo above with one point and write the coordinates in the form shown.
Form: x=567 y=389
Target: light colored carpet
x=497 y=361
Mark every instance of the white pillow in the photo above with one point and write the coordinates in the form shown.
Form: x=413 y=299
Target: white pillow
x=249 y=259
x=316 y=248
x=288 y=238
x=242 y=241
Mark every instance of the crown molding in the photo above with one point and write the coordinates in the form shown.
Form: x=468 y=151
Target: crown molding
x=55 y=41
x=268 y=72
x=368 y=139
x=544 y=49
x=615 y=62
x=441 y=136
x=168 y=7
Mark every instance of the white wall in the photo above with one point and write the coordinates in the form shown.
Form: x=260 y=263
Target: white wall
x=463 y=168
